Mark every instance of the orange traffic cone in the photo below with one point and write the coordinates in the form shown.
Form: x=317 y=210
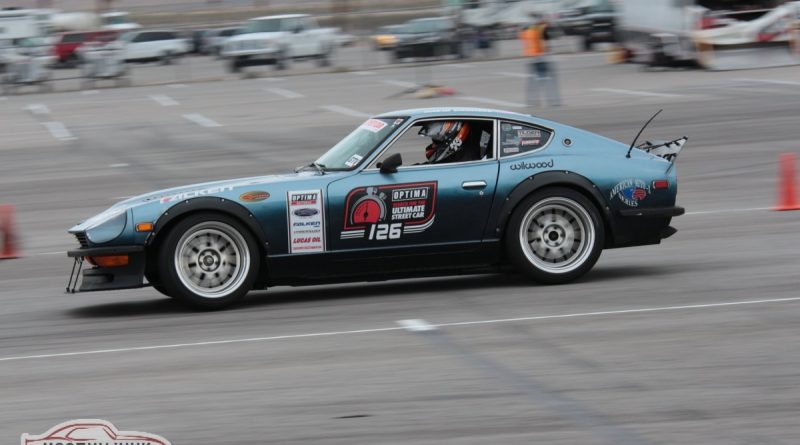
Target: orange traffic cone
x=787 y=193
x=8 y=248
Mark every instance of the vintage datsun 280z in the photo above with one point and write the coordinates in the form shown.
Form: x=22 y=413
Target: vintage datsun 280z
x=408 y=193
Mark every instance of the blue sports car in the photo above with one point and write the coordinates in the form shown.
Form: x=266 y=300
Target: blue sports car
x=408 y=193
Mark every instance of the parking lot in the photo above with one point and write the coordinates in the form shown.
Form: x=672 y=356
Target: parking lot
x=693 y=341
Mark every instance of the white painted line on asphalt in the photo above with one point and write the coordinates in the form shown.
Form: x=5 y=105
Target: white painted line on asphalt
x=289 y=94
x=177 y=85
x=457 y=65
x=122 y=197
x=416 y=325
x=711 y=212
x=344 y=110
x=61 y=252
x=769 y=81
x=90 y=92
x=399 y=83
x=486 y=100
x=164 y=101
x=272 y=79
x=363 y=73
x=635 y=93
x=38 y=109
x=2 y=98
x=201 y=120
x=509 y=74
x=119 y=165
x=398 y=328
x=59 y=131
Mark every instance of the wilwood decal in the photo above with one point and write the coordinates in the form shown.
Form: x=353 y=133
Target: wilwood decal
x=389 y=211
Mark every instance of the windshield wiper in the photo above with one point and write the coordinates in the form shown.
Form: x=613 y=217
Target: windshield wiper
x=320 y=168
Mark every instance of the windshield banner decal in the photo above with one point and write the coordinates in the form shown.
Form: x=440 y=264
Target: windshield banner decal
x=389 y=211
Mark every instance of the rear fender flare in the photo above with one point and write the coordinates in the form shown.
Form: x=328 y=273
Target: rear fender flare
x=555 y=178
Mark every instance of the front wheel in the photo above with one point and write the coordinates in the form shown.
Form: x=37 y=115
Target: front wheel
x=209 y=261
x=555 y=236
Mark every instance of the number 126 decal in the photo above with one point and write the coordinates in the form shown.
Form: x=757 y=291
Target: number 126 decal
x=385 y=231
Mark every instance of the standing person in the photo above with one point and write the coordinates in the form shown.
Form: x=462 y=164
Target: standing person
x=541 y=70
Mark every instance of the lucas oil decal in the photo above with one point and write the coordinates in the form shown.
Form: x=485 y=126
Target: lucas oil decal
x=630 y=191
x=306 y=222
x=389 y=211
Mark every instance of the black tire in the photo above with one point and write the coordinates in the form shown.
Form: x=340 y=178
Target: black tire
x=325 y=58
x=588 y=44
x=283 y=61
x=555 y=221
x=198 y=277
x=235 y=65
x=166 y=58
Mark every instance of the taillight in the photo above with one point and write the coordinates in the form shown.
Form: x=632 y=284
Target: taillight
x=659 y=184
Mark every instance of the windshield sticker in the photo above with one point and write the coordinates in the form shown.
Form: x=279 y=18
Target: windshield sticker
x=373 y=125
x=354 y=160
x=529 y=133
x=397 y=122
x=387 y=212
x=630 y=192
x=306 y=221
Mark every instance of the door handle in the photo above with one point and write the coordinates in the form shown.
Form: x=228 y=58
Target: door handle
x=473 y=185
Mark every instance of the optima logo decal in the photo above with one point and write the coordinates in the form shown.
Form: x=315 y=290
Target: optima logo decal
x=91 y=431
x=389 y=211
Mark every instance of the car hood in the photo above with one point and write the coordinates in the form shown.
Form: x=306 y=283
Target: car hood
x=213 y=188
x=257 y=36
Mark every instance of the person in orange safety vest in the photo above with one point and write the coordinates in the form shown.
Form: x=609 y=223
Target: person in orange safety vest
x=541 y=70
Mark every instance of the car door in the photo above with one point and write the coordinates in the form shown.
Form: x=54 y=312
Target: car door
x=420 y=212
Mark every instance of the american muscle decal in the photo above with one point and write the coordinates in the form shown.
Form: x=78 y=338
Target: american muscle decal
x=389 y=211
x=306 y=221
x=631 y=191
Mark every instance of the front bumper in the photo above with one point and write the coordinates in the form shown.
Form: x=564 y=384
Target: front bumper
x=98 y=278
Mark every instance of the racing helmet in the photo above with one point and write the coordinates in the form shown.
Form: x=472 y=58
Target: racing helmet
x=447 y=138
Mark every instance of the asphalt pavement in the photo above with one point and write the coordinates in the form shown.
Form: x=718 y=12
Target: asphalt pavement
x=692 y=341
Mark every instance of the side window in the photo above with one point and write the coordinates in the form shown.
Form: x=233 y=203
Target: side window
x=143 y=37
x=168 y=36
x=518 y=138
x=444 y=141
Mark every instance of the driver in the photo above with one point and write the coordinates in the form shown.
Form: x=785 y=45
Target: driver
x=447 y=140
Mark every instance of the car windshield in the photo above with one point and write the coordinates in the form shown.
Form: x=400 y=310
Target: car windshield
x=265 y=25
x=117 y=20
x=354 y=148
x=423 y=26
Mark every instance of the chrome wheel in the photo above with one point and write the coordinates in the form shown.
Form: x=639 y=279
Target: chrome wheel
x=212 y=259
x=557 y=235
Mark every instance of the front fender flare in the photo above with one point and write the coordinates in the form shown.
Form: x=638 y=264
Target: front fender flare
x=213 y=204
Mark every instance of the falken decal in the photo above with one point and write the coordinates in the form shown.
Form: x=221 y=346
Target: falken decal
x=254 y=196
x=389 y=211
x=306 y=221
x=631 y=192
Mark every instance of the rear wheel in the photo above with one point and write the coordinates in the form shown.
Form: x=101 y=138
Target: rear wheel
x=555 y=236
x=208 y=261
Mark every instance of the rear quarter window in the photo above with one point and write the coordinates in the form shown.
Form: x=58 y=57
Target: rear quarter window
x=520 y=138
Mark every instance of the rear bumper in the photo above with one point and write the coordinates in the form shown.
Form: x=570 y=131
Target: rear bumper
x=98 y=278
x=657 y=212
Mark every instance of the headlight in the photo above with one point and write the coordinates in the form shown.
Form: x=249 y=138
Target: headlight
x=106 y=226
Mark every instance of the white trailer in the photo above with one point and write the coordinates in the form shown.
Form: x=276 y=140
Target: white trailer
x=716 y=34
x=18 y=24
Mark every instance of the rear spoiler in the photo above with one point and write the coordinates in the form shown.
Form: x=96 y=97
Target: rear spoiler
x=668 y=150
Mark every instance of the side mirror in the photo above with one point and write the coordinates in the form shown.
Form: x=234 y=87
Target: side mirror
x=390 y=164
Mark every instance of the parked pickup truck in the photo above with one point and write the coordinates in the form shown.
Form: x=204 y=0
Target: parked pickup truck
x=277 y=40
